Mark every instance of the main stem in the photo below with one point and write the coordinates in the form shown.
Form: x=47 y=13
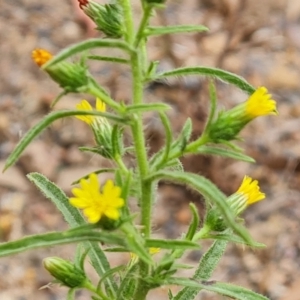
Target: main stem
x=138 y=138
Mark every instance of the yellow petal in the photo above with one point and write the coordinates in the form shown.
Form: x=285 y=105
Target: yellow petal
x=41 y=56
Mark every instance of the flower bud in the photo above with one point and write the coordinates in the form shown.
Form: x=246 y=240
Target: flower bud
x=215 y=221
x=108 y=17
x=70 y=76
x=65 y=272
x=101 y=127
x=229 y=123
x=247 y=194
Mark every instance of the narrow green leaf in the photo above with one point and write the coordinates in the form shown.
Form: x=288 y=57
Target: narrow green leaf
x=116 y=249
x=225 y=289
x=231 y=153
x=233 y=238
x=96 y=150
x=207 y=265
x=213 y=105
x=175 y=165
x=210 y=192
x=109 y=58
x=184 y=135
x=210 y=72
x=144 y=107
x=110 y=273
x=180 y=143
x=71 y=214
x=58 y=238
x=194 y=223
x=80 y=256
x=74 y=219
x=183 y=266
x=160 y=30
x=87 y=45
x=151 y=70
x=171 y=244
x=44 y=123
x=128 y=283
x=116 y=141
x=234 y=291
x=101 y=265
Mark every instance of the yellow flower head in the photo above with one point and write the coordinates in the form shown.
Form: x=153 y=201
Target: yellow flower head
x=250 y=190
x=95 y=203
x=260 y=104
x=41 y=56
x=84 y=105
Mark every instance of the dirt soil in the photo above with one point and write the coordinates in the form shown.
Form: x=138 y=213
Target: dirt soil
x=259 y=40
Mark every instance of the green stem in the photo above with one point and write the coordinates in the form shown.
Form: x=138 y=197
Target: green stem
x=201 y=233
x=120 y=163
x=137 y=64
x=128 y=21
x=142 y=161
x=89 y=286
x=143 y=25
x=94 y=89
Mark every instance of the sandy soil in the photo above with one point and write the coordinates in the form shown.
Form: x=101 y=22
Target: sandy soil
x=259 y=40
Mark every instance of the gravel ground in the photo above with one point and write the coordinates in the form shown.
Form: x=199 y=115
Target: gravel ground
x=259 y=40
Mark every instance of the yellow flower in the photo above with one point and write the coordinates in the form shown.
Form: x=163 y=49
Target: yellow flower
x=229 y=123
x=84 y=105
x=247 y=194
x=260 y=104
x=250 y=190
x=41 y=56
x=95 y=203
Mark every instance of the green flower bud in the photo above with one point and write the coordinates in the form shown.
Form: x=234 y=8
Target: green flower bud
x=247 y=194
x=65 y=272
x=70 y=76
x=108 y=17
x=215 y=221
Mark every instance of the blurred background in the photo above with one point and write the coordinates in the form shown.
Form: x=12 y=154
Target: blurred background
x=259 y=40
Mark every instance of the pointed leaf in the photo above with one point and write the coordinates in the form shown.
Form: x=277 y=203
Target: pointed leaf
x=160 y=30
x=210 y=72
x=109 y=58
x=144 y=107
x=38 y=128
x=59 y=198
x=231 y=153
x=58 y=238
x=194 y=223
x=171 y=244
x=225 y=289
x=207 y=265
x=233 y=238
x=87 y=45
